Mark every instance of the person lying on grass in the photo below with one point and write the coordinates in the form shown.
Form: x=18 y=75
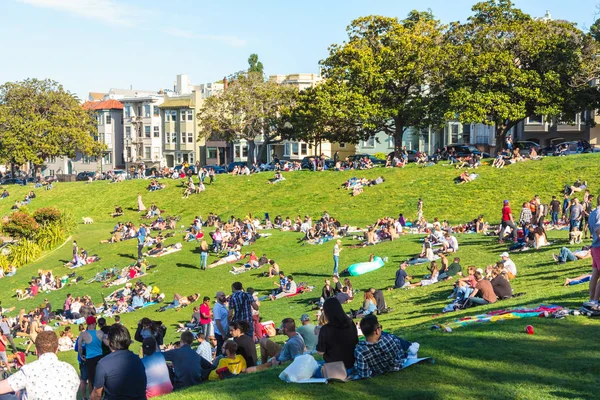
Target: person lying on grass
x=232 y=257
x=576 y=281
x=567 y=255
x=380 y=352
x=180 y=301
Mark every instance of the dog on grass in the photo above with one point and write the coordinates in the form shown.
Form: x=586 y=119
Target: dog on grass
x=87 y=220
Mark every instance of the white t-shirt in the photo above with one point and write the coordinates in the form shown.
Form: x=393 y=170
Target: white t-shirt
x=336 y=250
x=510 y=266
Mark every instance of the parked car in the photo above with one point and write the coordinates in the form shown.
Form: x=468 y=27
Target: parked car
x=84 y=176
x=232 y=165
x=218 y=169
x=526 y=146
x=374 y=160
x=574 y=147
x=15 y=181
x=463 y=150
x=306 y=164
x=269 y=166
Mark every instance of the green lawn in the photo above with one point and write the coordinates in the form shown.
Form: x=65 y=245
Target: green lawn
x=493 y=360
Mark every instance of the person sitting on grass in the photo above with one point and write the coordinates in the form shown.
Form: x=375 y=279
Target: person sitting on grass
x=230 y=365
x=369 y=306
x=566 y=255
x=431 y=279
x=402 y=279
x=273 y=354
x=289 y=289
x=484 y=289
x=500 y=283
x=190 y=369
x=380 y=352
x=454 y=269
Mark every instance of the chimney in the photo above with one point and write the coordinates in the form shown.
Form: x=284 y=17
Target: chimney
x=225 y=83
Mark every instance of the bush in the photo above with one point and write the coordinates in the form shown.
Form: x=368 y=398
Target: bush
x=380 y=156
x=49 y=236
x=47 y=215
x=67 y=222
x=23 y=252
x=4 y=264
x=20 y=225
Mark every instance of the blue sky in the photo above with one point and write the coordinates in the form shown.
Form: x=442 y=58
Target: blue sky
x=93 y=45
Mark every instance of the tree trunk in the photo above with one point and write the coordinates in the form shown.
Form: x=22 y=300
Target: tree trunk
x=398 y=134
x=262 y=153
x=251 y=150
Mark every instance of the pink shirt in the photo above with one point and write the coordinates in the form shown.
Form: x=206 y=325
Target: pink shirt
x=205 y=309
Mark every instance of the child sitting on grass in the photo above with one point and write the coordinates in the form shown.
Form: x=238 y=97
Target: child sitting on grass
x=230 y=365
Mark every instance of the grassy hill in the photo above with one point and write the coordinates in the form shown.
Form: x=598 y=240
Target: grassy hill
x=491 y=360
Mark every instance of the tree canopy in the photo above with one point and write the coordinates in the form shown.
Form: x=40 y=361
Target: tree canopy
x=249 y=109
x=39 y=119
x=391 y=69
x=255 y=66
x=510 y=66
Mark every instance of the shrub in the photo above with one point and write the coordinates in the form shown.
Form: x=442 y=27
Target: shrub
x=49 y=236
x=23 y=252
x=67 y=222
x=4 y=264
x=380 y=156
x=20 y=225
x=47 y=215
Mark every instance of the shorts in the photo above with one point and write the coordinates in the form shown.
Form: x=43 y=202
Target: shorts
x=3 y=357
x=595 y=251
x=83 y=372
x=90 y=365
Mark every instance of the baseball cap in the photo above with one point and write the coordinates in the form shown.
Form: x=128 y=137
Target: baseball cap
x=220 y=293
x=90 y=320
x=505 y=201
x=505 y=254
x=149 y=346
x=479 y=270
x=304 y=317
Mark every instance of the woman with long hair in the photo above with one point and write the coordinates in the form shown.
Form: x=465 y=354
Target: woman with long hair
x=338 y=337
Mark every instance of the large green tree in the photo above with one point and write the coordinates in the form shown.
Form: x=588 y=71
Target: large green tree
x=510 y=66
x=255 y=66
x=395 y=67
x=249 y=109
x=39 y=119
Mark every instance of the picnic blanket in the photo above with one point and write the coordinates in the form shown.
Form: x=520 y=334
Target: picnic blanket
x=510 y=313
x=167 y=250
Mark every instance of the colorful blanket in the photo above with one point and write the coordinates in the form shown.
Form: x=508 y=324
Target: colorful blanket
x=511 y=313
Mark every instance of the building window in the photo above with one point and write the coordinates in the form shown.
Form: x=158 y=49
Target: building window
x=454 y=131
x=190 y=137
x=466 y=136
x=191 y=158
x=342 y=145
x=183 y=136
x=182 y=114
x=128 y=132
x=108 y=119
x=51 y=172
x=391 y=142
x=167 y=116
x=167 y=137
x=244 y=151
x=147 y=110
x=127 y=111
x=156 y=111
x=85 y=159
x=212 y=152
x=100 y=118
x=535 y=120
x=148 y=153
x=107 y=158
x=303 y=149
x=156 y=131
x=139 y=111
x=147 y=131
x=286 y=150
x=238 y=151
x=173 y=137
x=179 y=158
x=190 y=115
x=129 y=153
x=369 y=142
x=295 y=148
x=51 y=160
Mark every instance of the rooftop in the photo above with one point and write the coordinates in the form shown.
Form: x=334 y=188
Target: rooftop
x=103 y=105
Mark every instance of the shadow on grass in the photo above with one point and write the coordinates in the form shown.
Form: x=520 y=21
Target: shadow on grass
x=182 y=265
x=130 y=256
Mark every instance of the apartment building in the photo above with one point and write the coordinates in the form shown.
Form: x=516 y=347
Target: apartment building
x=109 y=117
x=180 y=127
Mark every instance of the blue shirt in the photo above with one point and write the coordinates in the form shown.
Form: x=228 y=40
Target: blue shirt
x=594 y=223
x=293 y=348
x=122 y=375
x=220 y=313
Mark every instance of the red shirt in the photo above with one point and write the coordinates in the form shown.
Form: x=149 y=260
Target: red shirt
x=2 y=346
x=132 y=273
x=506 y=212
x=204 y=309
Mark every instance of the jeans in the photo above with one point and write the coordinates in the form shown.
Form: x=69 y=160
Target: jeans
x=140 y=251
x=574 y=224
x=218 y=245
x=8 y=396
x=477 y=301
x=203 y=258
x=336 y=263
x=566 y=255
x=554 y=218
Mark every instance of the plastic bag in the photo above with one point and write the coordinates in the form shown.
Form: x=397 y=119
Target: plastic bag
x=302 y=368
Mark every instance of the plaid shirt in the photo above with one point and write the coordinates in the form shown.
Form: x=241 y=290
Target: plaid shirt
x=383 y=356
x=526 y=215
x=241 y=304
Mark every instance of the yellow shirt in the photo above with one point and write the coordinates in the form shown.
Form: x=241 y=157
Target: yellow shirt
x=235 y=366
